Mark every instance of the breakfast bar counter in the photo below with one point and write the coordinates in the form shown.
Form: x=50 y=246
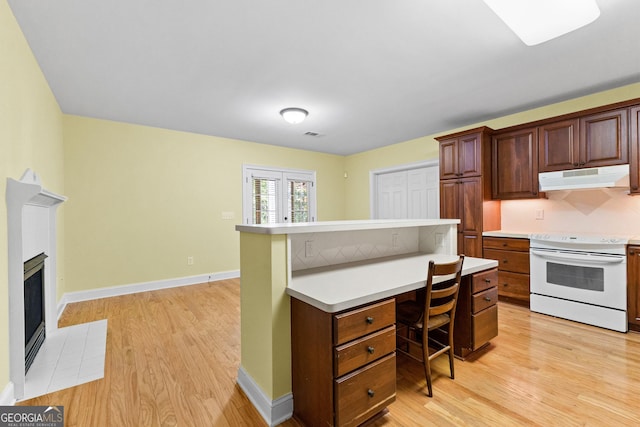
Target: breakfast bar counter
x=329 y=267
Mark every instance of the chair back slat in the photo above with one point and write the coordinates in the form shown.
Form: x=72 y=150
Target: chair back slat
x=443 y=299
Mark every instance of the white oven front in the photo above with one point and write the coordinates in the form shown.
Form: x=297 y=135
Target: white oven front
x=583 y=286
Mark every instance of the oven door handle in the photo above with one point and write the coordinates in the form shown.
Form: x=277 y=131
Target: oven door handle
x=564 y=256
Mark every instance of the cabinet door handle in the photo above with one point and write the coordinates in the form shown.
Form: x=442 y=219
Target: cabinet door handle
x=369 y=320
x=370 y=349
x=371 y=393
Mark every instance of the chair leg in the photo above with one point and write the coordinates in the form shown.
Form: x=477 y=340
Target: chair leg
x=427 y=367
x=451 y=352
x=451 y=361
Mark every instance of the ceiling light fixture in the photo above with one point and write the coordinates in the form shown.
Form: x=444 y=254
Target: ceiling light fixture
x=294 y=115
x=536 y=21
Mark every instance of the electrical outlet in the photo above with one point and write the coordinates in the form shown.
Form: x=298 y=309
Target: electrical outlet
x=189 y=260
x=539 y=213
x=309 y=250
x=228 y=215
x=439 y=240
x=394 y=240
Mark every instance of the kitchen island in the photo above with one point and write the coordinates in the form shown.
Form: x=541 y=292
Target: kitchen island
x=331 y=266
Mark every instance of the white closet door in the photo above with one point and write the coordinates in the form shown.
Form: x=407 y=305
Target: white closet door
x=392 y=195
x=410 y=193
x=423 y=189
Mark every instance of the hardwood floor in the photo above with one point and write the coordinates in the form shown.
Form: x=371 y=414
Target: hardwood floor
x=172 y=359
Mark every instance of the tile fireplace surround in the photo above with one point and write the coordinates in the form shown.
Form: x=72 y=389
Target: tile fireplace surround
x=62 y=361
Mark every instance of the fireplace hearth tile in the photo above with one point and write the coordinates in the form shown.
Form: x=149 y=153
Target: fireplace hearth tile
x=69 y=356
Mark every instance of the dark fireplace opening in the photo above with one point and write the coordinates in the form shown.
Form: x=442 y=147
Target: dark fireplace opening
x=34 y=326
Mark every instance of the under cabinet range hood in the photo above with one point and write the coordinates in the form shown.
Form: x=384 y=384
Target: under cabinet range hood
x=578 y=179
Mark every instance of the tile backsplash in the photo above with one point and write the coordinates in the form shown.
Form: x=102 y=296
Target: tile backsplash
x=310 y=250
x=598 y=211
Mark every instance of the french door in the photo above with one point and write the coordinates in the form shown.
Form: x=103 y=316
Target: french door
x=278 y=196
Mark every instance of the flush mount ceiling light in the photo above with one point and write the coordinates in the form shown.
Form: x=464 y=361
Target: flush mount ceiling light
x=536 y=21
x=294 y=115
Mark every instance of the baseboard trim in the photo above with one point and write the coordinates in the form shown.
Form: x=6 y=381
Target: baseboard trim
x=274 y=412
x=114 y=291
x=7 y=397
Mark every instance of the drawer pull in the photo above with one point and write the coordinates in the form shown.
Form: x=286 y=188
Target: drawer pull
x=371 y=393
x=504 y=261
x=371 y=349
x=487 y=280
x=369 y=320
x=505 y=284
x=487 y=299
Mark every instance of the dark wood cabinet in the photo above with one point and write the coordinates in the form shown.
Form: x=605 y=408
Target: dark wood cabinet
x=461 y=156
x=592 y=140
x=514 y=162
x=465 y=191
x=558 y=145
x=604 y=139
x=634 y=150
x=513 y=267
x=476 y=321
x=343 y=364
x=633 y=287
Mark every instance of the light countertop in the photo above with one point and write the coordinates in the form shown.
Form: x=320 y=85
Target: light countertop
x=340 y=287
x=507 y=233
x=332 y=226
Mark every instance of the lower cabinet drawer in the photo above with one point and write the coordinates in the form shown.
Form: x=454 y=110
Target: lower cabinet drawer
x=484 y=326
x=484 y=280
x=358 y=353
x=484 y=299
x=513 y=285
x=363 y=393
x=518 y=262
x=362 y=321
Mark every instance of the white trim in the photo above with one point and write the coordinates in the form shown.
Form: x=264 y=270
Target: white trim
x=274 y=412
x=113 y=291
x=6 y=397
x=373 y=186
x=29 y=231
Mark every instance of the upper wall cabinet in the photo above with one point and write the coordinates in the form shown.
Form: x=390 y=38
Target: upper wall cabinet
x=634 y=148
x=514 y=162
x=604 y=139
x=558 y=145
x=461 y=157
x=590 y=141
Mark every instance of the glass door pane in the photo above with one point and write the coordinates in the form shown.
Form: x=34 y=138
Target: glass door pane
x=265 y=201
x=298 y=201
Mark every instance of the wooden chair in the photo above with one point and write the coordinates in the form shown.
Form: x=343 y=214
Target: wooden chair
x=437 y=312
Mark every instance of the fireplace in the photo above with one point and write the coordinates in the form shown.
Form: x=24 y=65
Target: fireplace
x=34 y=308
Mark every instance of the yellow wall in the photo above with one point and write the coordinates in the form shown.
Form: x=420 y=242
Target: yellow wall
x=30 y=137
x=142 y=200
x=358 y=165
x=265 y=314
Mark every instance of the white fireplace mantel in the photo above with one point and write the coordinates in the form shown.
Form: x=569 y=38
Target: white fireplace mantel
x=31 y=221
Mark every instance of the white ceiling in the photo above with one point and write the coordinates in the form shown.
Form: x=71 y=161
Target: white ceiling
x=370 y=72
